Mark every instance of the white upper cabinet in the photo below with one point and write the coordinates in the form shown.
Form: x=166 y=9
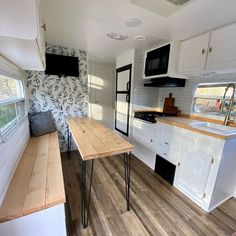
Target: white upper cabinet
x=21 y=34
x=222 y=49
x=193 y=54
x=211 y=52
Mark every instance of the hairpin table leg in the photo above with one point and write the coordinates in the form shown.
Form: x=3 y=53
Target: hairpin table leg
x=127 y=165
x=85 y=202
x=69 y=140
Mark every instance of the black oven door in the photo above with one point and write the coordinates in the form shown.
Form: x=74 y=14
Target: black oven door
x=157 y=61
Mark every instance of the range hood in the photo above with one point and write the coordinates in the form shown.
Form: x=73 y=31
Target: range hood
x=165 y=82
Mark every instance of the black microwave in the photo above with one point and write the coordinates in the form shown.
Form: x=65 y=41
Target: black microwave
x=157 y=61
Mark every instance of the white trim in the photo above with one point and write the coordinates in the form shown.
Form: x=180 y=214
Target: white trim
x=11 y=101
x=9 y=69
x=208 y=114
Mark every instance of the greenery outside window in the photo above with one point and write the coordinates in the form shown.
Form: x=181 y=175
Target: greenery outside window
x=208 y=99
x=12 y=104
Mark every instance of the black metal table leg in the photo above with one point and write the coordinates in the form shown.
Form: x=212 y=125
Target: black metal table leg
x=69 y=140
x=127 y=165
x=85 y=202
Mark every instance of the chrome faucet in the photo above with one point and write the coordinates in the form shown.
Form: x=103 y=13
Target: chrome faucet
x=231 y=103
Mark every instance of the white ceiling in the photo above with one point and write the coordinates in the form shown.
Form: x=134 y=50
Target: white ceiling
x=83 y=24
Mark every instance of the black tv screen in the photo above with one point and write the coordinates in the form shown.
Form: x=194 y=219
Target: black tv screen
x=62 y=65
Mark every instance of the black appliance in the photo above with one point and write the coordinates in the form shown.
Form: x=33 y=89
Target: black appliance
x=149 y=116
x=157 y=61
x=165 y=169
x=165 y=82
x=62 y=65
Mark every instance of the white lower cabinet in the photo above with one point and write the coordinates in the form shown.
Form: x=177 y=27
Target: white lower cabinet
x=163 y=140
x=143 y=138
x=206 y=168
x=144 y=133
x=205 y=165
x=193 y=170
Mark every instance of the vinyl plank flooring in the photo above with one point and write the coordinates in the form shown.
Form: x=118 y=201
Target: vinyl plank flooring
x=157 y=208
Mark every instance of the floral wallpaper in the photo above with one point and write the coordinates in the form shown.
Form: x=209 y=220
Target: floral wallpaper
x=64 y=96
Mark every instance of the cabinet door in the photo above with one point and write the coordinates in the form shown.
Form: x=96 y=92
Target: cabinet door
x=144 y=133
x=222 y=50
x=40 y=35
x=18 y=19
x=193 y=171
x=193 y=54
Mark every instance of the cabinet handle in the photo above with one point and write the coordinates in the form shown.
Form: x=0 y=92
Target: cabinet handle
x=165 y=154
x=203 y=51
x=127 y=86
x=127 y=97
x=166 y=143
x=210 y=49
x=151 y=140
x=44 y=27
x=178 y=163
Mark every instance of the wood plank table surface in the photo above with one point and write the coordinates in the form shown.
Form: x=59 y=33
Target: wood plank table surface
x=94 y=140
x=38 y=180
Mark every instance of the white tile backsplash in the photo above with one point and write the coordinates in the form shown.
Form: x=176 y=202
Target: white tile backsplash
x=184 y=96
x=142 y=96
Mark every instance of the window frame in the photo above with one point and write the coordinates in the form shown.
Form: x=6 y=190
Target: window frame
x=208 y=114
x=8 y=129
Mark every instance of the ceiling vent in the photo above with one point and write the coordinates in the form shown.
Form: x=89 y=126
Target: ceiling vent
x=161 y=7
x=178 y=2
x=117 y=36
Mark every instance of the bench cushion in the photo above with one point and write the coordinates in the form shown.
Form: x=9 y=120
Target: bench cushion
x=41 y=123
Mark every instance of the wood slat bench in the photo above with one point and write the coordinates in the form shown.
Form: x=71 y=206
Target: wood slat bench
x=38 y=180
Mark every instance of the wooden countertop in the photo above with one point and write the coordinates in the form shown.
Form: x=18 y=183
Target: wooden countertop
x=186 y=123
x=94 y=140
x=38 y=180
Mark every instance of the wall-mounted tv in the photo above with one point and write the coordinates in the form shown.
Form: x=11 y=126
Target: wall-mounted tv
x=62 y=65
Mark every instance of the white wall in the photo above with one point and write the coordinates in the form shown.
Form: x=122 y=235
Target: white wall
x=101 y=92
x=10 y=153
x=11 y=150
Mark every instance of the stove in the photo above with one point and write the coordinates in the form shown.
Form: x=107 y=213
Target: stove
x=149 y=116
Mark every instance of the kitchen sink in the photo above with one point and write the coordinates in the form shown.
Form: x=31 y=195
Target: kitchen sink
x=215 y=128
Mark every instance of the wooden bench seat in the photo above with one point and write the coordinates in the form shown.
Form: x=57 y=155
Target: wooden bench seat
x=38 y=180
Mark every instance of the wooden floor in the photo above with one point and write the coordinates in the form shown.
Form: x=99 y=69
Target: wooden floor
x=156 y=207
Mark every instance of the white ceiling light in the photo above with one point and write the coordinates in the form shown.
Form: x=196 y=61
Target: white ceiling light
x=140 y=37
x=133 y=22
x=117 y=36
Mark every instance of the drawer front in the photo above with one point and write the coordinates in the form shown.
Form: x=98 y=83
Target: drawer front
x=163 y=151
x=164 y=132
x=163 y=140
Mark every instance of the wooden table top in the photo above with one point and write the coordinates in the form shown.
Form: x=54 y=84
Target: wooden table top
x=38 y=180
x=94 y=140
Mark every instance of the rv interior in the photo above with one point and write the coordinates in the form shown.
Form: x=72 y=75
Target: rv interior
x=117 y=117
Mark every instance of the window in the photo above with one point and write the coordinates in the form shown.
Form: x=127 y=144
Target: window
x=12 y=104
x=208 y=99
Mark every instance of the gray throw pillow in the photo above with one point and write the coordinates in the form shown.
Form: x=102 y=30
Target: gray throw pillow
x=41 y=123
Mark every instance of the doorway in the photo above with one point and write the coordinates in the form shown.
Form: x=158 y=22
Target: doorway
x=122 y=108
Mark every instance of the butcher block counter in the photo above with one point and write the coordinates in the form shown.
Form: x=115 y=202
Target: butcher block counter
x=190 y=124
x=38 y=180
